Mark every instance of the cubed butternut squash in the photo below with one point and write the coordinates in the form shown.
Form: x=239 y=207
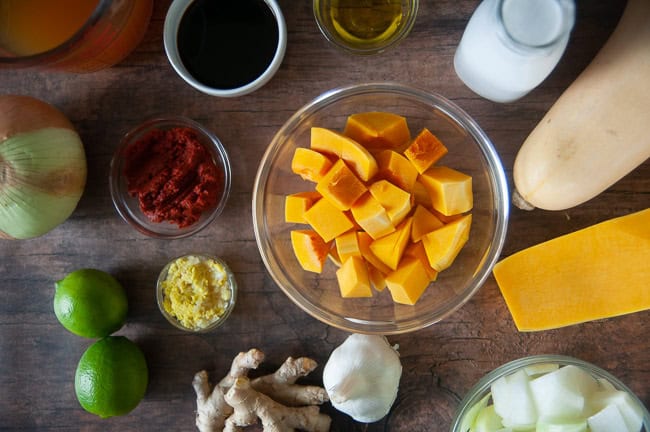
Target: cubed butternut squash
x=444 y=244
x=425 y=150
x=295 y=206
x=408 y=282
x=327 y=220
x=364 y=244
x=347 y=245
x=309 y=164
x=450 y=190
x=416 y=250
x=377 y=278
x=397 y=169
x=310 y=249
x=597 y=272
x=378 y=129
x=389 y=248
x=354 y=154
x=372 y=216
x=341 y=186
x=423 y=223
x=396 y=201
x=353 y=278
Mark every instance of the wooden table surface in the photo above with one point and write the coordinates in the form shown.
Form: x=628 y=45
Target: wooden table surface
x=38 y=357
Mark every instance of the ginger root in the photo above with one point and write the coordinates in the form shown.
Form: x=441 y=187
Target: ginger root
x=276 y=399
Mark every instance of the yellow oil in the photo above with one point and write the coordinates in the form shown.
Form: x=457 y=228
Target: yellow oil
x=366 y=21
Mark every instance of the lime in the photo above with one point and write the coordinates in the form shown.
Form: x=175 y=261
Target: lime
x=90 y=303
x=111 y=377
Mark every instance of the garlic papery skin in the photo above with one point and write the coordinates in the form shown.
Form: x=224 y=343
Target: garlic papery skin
x=362 y=377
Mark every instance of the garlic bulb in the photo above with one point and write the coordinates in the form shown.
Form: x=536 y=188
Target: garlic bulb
x=362 y=376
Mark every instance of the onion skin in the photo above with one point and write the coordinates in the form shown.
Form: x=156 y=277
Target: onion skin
x=42 y=167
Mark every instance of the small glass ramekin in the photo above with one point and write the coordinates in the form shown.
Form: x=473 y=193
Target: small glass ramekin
x=482 y=388
x=232 y=286
x=128 y=206
x=323 y=16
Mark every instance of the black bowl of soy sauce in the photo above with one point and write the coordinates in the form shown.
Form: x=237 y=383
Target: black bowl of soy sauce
x=225 y=47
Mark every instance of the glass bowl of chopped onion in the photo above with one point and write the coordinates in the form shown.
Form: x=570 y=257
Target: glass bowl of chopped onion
x=371 y=306
x=196 y=292
x=551 y=393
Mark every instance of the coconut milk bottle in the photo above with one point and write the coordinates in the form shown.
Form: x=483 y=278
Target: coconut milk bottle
x=510 y=46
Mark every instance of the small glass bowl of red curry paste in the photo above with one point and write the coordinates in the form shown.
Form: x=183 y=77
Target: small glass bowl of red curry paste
x=170 y=177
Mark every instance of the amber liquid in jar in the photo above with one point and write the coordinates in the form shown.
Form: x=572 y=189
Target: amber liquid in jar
x=366 y=21
x=29 y=27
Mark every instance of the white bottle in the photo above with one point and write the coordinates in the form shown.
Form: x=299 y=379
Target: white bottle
x=510 y=46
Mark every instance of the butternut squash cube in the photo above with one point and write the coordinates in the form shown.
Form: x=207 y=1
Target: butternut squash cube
x=372 y=216
x=333 y=255
x=295 y=206
x=340 y=186
x=416 y=250
x=377 y=278
x=396 y=169
x=396 y=201
x=309 y=164
x=444 y=244
x=327 y=220
x=425 y=150
x=408 y=282
x=421 y=195
x=347 y=245
x=310 y=249
x=450 y=190
x=378 y=129
x=364 y=244
x=389 y=248
x=353 y=278
x=358 y=158
x=423 y=223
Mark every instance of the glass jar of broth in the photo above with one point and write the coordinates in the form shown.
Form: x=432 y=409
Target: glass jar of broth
x=365 y=26
x=70 y=35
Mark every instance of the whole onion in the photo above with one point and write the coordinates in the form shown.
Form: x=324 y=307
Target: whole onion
x=42 y=167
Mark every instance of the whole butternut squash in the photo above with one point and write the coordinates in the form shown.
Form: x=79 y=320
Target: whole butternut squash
x=598 y=130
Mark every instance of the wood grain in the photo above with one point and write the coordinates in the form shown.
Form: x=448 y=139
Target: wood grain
x=38 y=357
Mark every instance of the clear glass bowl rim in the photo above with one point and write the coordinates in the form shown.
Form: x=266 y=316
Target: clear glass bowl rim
x=483 y=385
x=226 y=313
x=168 y=121
x=497 y=180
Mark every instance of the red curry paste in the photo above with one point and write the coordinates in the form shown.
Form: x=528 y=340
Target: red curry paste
x=173 y=176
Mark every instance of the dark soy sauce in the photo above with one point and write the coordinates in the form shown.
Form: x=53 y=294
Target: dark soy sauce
x=227 y=44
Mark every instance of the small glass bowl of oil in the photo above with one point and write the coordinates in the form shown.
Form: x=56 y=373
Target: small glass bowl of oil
x=365 y=26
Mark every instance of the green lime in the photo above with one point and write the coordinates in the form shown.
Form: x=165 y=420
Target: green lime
x=111 y=377
x=90 y=303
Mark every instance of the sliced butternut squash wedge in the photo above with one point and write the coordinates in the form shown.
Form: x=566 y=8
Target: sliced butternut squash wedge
x=597 y=272
x=309 y=164
x=358 y=158
x=310 y=249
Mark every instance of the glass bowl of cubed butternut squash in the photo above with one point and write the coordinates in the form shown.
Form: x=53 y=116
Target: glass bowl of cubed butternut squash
x=380 y=208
